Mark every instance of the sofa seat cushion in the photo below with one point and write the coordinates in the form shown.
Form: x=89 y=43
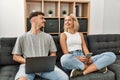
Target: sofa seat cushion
x=97 y=76
x=8 y=72
x=117 y=60
x=116 y=69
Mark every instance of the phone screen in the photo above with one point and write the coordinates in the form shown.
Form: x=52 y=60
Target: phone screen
x=88 y=55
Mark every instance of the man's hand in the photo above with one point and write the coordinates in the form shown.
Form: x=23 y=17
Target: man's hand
x=53 y=54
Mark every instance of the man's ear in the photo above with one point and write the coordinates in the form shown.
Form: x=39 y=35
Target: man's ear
x=33 y=19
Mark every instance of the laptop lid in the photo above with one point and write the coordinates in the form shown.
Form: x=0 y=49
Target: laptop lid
x=40 y=64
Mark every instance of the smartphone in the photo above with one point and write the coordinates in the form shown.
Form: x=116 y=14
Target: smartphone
x=88 y=55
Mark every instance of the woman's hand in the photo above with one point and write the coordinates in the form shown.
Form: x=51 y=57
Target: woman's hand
x=89 y=61
x=82 y=59
x=85 y=60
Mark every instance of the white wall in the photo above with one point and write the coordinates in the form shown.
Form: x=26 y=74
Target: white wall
x=104 y=17
x=96 y=16
x=11 y=18
x=111 y=22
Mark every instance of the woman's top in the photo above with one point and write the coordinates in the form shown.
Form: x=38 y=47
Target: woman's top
x=73 y=41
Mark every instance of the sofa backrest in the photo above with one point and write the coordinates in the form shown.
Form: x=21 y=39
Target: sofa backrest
x=96 y=44
x=59 y=50
x=104 y=42
x=6 y=47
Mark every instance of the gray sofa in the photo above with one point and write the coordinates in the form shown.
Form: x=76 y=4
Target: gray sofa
x=96 y=44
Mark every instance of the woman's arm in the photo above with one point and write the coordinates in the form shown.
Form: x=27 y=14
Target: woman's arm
x=85 y=49
x=63 y=43
x=84 y=46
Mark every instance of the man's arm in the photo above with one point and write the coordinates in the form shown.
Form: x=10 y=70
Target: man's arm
x=19 y=58
x=52 y=53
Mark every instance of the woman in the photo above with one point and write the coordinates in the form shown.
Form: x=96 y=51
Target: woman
x=74 y=48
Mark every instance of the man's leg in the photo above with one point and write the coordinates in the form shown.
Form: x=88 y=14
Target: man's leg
x=57 y=74
x=21 y=75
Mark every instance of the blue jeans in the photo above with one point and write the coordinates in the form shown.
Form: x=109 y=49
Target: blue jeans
x=69 y=61
x=57 y=74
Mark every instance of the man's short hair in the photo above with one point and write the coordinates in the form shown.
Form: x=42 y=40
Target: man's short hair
x=36 y=13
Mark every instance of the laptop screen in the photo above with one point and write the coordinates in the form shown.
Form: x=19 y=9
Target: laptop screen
x=40 y=64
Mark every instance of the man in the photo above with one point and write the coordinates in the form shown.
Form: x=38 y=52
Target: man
x=36 y=43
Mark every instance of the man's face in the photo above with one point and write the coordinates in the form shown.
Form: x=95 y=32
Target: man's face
x=40 y=21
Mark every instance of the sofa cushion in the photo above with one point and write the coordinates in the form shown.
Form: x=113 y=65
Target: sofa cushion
x=117 y=60
x=104 y=42
x=6 y=47
x=116 y=69
x=8 y=72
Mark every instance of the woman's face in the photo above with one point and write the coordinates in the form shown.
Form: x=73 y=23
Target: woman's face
x=68 y=22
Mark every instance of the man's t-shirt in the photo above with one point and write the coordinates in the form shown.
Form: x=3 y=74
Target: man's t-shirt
x=30 y=45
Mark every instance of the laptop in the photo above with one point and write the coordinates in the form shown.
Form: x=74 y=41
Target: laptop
x=40 y=64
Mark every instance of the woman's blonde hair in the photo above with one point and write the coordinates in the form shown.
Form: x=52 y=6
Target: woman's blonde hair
x=76 y=24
